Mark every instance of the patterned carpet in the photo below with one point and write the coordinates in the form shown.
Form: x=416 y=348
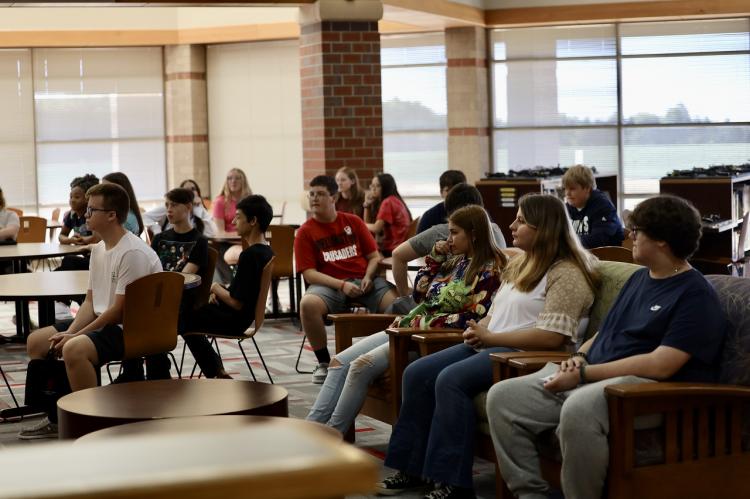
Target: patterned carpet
x=279 y=342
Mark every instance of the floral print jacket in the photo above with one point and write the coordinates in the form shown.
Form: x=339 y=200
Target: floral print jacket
x=446 y=301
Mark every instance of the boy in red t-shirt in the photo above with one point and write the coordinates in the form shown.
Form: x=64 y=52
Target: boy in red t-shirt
x=338 y=258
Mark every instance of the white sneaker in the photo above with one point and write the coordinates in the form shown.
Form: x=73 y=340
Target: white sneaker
x=43 y=429
x=320 y=373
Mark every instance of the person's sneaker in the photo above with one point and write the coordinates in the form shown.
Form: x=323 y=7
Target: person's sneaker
x=43 y=429
x=399 y=483
x=450 y=492
x=320 y=373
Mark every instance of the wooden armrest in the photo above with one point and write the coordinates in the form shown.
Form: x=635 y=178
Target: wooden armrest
x=411 y=331
x=527 y=365
x=504 y=357
x=361 y=317
x=350 y=326
x=675 y=389
x=441 y=337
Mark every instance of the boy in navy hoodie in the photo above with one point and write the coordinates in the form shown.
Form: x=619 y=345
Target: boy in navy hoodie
x=593 y=215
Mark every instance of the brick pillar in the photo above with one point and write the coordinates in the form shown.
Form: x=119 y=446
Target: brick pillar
x=468 y=101
x=341 y=94
x=186 y=111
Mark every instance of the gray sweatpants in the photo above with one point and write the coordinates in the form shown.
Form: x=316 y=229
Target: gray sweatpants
x=519 y=409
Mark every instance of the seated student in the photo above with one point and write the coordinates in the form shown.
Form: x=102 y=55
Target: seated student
x=666 y=324
x=593 y=215
x=545 y=294
x=386 y=213
x=338 y=258
x=468 y=263
x=235 y=188
x=180 y=249
x=74 y=229
x=134 y=222
x=459 y=196
x=9 y=226
x=350 y=197
x=94 y=337
x=156 y=219
x=438 y=213
x=231 y=310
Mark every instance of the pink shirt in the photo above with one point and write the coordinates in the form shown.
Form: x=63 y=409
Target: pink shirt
x=225 y=211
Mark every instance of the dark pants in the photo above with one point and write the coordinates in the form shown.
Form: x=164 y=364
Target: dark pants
x=434 y=435
x=210 y=318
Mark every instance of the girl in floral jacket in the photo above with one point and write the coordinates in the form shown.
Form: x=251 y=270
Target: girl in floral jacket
x=455 y=286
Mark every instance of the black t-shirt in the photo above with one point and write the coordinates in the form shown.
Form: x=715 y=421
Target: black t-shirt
x=245 y=285
x=434 y=216
x=681 y=312
x=176 y=250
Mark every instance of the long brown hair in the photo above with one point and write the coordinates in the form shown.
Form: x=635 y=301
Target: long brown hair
x=554 y=240
x=476 y=223
x=357 y=194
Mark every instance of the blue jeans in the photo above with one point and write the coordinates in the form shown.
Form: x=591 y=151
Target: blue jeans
x=345 y=387
x=434 y=435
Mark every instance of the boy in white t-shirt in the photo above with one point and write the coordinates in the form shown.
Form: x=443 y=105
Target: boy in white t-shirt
x=94 y=337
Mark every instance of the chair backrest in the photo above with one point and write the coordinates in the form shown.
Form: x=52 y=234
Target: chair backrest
x=32 y=230
x=17 y=211
x=413 y=228
x=152 y=304
x=207 y=276
x=281 y=238
x=260 y=305
x=280 y=214
x=55 y=215
x=613 y=254
x=613 y=276
x=734 y=297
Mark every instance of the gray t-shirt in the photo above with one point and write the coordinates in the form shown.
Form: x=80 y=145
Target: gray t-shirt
x=423 y=242
x=8 y=218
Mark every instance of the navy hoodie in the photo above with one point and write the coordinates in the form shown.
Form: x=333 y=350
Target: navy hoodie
x=597 y=223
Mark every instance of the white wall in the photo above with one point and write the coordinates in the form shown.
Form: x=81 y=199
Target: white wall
x=254 y=120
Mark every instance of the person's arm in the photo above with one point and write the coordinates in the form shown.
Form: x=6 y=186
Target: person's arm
x=63 y=238
x=313 y=276
x=218 y=213
x=154 y=216
x=10 y=231
x=376 y=227
x=190 y=268
x=400 y=257
x=220 y=293
x=524 y=339
x=84 y=316
x=603 y=225
x=113 y=315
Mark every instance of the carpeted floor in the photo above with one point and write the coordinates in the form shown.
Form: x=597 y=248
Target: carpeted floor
x=279 y=341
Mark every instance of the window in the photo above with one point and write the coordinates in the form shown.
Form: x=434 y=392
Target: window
x=97 y=111
x=556 y=91
x=415 y=125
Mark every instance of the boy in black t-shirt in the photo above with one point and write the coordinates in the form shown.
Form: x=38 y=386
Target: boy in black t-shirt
x=231 y=310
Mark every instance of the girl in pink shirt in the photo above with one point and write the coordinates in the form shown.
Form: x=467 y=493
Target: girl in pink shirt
x=225 y=204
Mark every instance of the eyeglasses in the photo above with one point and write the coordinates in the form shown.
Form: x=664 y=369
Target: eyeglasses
x=90 y=211
x=317 y=194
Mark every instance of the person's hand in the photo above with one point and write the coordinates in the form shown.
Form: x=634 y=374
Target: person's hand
x=396 y=322
x=572 y=364
x=369 y=198
x=475 y=334
x=442 y=248
x=76 y=239
x=351 y=290
x=365 y=285
x=563 y=381
x=212 y=299
x=57 y=341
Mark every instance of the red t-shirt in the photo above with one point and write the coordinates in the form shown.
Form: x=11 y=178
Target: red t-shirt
x=393 y=212
x=338 y=249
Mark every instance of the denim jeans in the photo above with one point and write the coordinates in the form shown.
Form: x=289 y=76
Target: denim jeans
x=345 y=388
x=434 y=435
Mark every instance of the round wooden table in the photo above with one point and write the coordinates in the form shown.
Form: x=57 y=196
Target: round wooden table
x=201 y=423
x=101 y=407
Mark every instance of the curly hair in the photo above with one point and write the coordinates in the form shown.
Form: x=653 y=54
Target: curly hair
x=671 y=219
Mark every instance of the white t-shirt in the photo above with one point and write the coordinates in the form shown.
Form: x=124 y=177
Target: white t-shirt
x=154 y=218
x=513 y=310
x=112 y=270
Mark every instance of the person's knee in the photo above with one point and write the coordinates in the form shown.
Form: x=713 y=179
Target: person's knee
x=78 y=349
x=312 y=307
x=361 y=366
x=37 y=344
x=575 y=420
x=387 y=299
x=335 y=363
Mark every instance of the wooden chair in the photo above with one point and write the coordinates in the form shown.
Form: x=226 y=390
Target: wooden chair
x=32 y=230
x=413 y=228
x=149 y=323
x=700 y=447
x=613 y=254
x=281 y=238
x=258 y=318
x=17 y=211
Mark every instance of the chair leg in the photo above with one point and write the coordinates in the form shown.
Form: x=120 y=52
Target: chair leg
x=182 y=357
x=239 y=343
x=296 y=366
x=262 y=361
x=109 y=374
x=178 y=368
x=10 y=390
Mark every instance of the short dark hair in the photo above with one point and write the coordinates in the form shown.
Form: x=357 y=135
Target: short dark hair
x=325 y=181
x=84 y=183
x=256 y=206
x=449 y=178
x=671 y=219
x=184 y=196
x=462 y=195
x=114 y=198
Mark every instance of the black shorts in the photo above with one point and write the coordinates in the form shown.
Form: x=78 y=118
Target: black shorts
x=109 y=342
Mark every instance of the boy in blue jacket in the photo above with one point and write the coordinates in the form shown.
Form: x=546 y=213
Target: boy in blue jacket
x=593 y=215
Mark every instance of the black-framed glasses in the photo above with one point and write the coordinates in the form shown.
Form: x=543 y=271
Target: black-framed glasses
x=90 y=211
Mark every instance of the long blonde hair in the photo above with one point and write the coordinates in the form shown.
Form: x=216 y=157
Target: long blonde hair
x=554 y=240
x=246 y=190
x=473 y=219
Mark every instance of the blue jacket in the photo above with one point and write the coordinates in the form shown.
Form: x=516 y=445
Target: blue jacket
x=597 y=223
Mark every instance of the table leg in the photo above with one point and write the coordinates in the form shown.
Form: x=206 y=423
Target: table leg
x=46 y=312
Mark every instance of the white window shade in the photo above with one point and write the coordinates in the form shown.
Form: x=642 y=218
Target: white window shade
x=554 y=42
x=97 y=111
x=17 y=167
x=686 y=36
